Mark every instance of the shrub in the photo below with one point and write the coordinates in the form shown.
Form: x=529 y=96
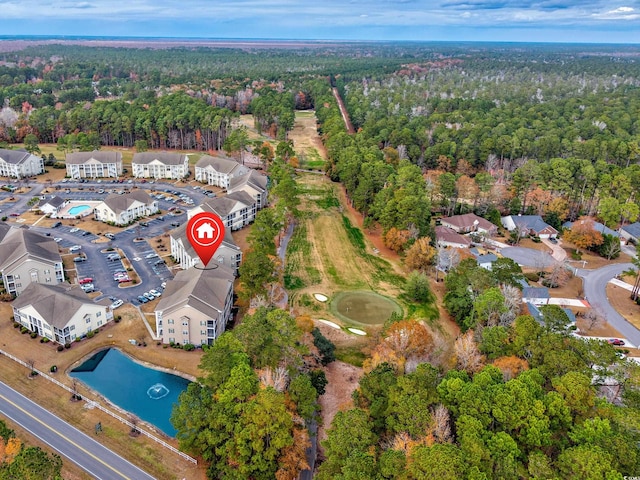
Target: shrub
x=536 y=239
x=188 y=347
x=60 y=348
x=78 y=339
x=33 y=334
x=53 y=369
x=90 y=334
x=532 y=276
x=16 y=324
x=117 y=319
x=67 y=345
x=576 y=255
x=45 y=340
x=24 y=330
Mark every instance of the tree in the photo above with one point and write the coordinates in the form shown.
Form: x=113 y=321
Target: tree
x=141 y=146
x=420 y=255
x=256 y=272
x=325 y=347
x=583 y=234
x=468 y=356
x=396 y=239
x=488 y=309
x=417 y=287
x=610 y=210
x=236 y=142
x=507 y=271
x=555 y=319
x=558 y=276
x=31 y=144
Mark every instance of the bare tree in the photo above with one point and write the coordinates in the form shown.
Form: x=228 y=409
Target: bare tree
x=441 y=424
x=278 y=378
x=559 y=275
x=134 y=421
x=592 y=320
x=467 y=354
x=75 y=396
x=513 y=301
x=31 y=362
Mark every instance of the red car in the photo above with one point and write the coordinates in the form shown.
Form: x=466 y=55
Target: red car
x=616 y=341
x=14 y=214
x=82 y=281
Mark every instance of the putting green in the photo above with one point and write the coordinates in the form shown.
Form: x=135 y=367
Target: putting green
x=364 y=307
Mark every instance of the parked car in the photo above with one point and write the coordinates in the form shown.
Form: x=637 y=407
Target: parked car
x=82 y=281
x=14 y=214
x=155 y=293
x=143 y=224
x=75 y=248
x=57 y=239
x=151 y=255
x=110 y=236
x=159 y=262
x=73 y=230
x=142 y=299
x=112 y=257
x=80 y=259
x=85 y=233
x=124 y=279
x=553 y=240
x=616 y=341
x=88 y=287
x=149 y=296
x=56 y=225
x=163 y=285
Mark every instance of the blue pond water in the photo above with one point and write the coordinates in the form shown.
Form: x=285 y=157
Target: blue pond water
x=77 y=209
x=145 y=392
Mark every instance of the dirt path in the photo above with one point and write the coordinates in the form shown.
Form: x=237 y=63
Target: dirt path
x=343 y=111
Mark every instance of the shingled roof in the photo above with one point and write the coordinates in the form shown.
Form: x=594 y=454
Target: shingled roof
x=252 y=178
x=16 y=243
x=121 y=203
x=80 y=158
x=219 y=163
x=204 y=290
x=165 y=158
x=15 y=157
x=56 y=304
x=180 y=233
x=223 y=206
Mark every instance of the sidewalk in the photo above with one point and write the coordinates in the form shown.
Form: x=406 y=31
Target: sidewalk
x=620 y=283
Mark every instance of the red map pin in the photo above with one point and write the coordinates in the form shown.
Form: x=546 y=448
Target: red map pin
x=205 y=231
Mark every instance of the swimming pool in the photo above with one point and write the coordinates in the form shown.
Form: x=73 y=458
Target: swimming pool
x=76 y=210
x=148 y=393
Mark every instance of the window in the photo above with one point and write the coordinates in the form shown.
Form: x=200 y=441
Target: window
x=172 y=330
x=99 y=322
x=98 y=314
x=203 y=332
x=185 y=323
x=72 y=327
x=172 y=340
x=185 y=333
x=170 y=321
x=18 y=285
x=203 y=323
x=87 y=320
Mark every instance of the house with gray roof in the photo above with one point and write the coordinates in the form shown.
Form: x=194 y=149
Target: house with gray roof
x=597 y=226
x=60 y=312
x=228 y=253
x=253 y=183
x=125 y=209
x=631 y=232
x=447 y=237
x=160 y=165
x=218 y=170
x=19 y=164
x=236 y=210
x=468 y=223
x=485 y=260
x=96 y=164
x=536 y=295
x=28 y=257
x=532 y=225
x=51 y=206
x=195 y=306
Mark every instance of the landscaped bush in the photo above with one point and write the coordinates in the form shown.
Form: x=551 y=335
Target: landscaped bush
x=90 y=334
x=53 y=369
x=16 y=324
x=188 y=347
x=60 y=348
x=576 y=255
x=24 y=330
x=67 y=345
x=536 y=239
x=33 y=334
x=532 y=276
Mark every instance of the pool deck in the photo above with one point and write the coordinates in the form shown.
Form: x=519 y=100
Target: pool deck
x=64 y=213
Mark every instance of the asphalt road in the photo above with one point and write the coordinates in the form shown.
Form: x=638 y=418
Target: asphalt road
x=595 y=290
x=100 y=462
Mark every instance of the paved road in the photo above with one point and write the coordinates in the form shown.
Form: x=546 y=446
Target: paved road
x=100 y=462
x=528 y=257
x=595 y=289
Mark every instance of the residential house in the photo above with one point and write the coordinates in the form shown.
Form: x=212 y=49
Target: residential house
x=96 y=164
x=126 y=208
x=253 y=183
x=196 y=306
x=447 y=237
x=51 y=206
x=228 y=253
x=599 y=227
x=19 y=164
x=160 y=165
x=485 y=260
x=536 y=295
x=218 y=170
x=529 y=225
x=28 y=257
x=236 y=210
x=468 y=223
x=631 y=232
x=60 y=312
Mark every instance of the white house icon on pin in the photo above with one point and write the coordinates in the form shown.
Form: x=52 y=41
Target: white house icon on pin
x=205 y=230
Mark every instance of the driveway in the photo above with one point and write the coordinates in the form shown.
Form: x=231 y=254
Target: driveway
x=528 y=257
x=557 y=252
x=595 y=289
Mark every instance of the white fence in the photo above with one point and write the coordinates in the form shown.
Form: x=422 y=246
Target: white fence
x=93 y=403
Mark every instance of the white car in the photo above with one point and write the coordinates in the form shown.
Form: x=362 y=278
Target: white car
x=88 y=287
x=74 y=230
x=75 y=248
x=151 y=255
x=116 y=304
x=57 y=239
x=155 y=293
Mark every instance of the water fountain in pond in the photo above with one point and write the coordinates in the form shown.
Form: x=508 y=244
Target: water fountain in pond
x=157 y=391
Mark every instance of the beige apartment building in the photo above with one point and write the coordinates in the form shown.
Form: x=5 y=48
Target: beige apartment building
x=96 y=164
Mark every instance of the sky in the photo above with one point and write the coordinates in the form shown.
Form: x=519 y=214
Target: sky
x=574 y=21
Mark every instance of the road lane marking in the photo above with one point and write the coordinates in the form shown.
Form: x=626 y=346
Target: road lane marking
x=62 y=436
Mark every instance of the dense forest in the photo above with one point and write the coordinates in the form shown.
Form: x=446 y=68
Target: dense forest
x=493 y=129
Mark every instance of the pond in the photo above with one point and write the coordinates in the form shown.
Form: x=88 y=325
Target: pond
x=147 y=393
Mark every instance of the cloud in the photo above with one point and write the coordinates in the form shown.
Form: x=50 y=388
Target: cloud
x=620 y=13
